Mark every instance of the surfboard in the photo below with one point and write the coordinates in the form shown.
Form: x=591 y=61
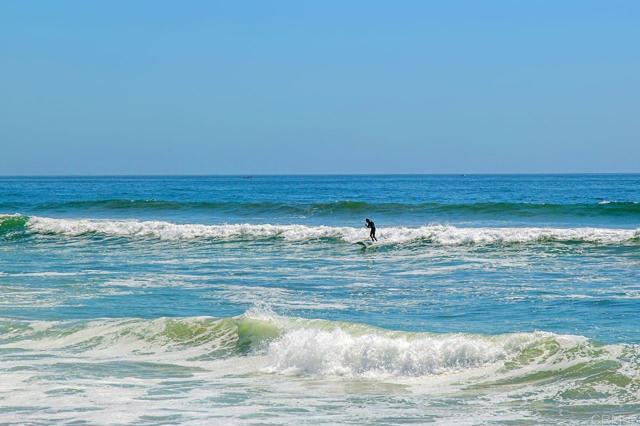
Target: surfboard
x=365 y=244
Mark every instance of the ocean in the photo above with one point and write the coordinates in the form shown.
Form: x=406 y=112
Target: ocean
x=247 y=300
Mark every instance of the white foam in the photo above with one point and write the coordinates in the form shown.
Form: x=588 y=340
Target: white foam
x=623 y=202
x=299 y=346
x=437 y=234
x=86 y=371
x=338 y=352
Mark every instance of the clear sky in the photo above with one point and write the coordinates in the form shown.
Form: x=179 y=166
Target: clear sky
x=190 y=87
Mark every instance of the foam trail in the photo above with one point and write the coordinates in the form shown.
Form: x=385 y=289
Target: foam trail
x=436 y=234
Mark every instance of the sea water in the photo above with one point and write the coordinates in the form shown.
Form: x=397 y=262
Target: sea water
x=247 y=300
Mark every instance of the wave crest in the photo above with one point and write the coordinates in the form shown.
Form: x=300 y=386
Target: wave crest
x=432 y=234
x=509 y=209
x=537 y=367
x=287 y=345
x=377 y=354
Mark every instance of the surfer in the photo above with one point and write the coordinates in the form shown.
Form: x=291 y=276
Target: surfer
x=369 y=224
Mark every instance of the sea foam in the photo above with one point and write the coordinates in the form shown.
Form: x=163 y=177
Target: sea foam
x=375 y=354
x=436 y=234
x=289 y=345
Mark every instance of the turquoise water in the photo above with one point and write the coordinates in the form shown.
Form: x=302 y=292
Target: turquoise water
x=247 y=300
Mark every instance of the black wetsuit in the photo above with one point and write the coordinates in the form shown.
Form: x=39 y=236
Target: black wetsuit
x=372 y=234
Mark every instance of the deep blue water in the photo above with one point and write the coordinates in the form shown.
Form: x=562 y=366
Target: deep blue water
x=396 y=200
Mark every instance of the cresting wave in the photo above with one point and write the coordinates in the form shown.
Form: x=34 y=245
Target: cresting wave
x=291 y=345
x=503 y=209
x=431 y=234
x=272 y=344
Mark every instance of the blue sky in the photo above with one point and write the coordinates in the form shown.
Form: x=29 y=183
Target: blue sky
x=154 y=87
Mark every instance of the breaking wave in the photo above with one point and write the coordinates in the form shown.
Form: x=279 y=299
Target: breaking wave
x=13 y=225
x=274 y=344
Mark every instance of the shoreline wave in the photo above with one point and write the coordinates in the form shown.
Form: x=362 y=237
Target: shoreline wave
x=527 y=369
x=322 y=348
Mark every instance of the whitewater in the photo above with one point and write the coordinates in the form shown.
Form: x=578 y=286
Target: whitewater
x=438 y=234
x=194 y=361
x=245 y=301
